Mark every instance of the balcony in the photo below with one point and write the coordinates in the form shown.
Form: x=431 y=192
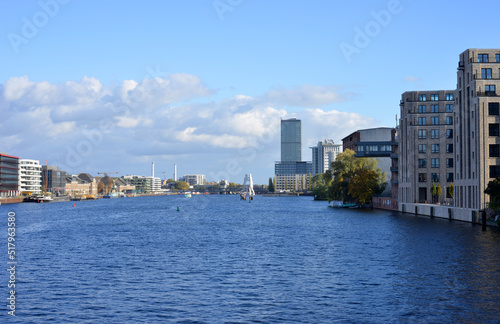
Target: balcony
x=486 y=94
x=461 y=65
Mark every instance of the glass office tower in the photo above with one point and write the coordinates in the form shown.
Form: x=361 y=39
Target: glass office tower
x=291 y=140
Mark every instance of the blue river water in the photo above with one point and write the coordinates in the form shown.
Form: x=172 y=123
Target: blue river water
x=222 y=260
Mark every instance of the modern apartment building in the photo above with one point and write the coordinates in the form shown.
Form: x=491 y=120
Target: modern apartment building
x=9 y=175
x=142 y=184
x=323 y=155
x=30 y=177
x=477 y=130
x=292 y=174
x=193 y=179
x=426 y=146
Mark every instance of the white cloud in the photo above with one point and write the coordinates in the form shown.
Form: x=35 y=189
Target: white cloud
x=77 y=123
x=307 y=96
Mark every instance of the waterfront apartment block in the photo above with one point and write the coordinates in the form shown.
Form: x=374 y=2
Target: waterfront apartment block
x=9 y=175
x=142 y=184
x=30 y=177
x=323 y=155
x=426 y=146
x=477 y=130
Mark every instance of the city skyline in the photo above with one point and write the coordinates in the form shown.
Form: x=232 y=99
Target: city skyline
x=205 y=87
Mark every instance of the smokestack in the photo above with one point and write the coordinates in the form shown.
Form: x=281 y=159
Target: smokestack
x=175 y=172
x=153 y=170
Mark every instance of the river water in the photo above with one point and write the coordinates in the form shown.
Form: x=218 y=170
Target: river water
x=218 y=259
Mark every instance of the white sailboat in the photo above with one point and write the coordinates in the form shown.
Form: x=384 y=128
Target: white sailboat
x=247 y=190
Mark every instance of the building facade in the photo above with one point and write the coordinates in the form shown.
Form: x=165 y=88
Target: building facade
x=30 y=177
x=194 y=179
x=477 y=130
x=142 y=184
x=291 y=173
x=426 y=146
x=9 y=175
x=291 y=140
x=323 y=155
x=53 y=180
x=375 y=143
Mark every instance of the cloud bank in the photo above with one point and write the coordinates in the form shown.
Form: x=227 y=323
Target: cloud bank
x=85 y=126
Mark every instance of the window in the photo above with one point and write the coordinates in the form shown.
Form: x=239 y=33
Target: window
x=422 y=163
x=485 y=73
x=449 y=96
x=421 y=134
x=422 y=97
x=422 y=109
x=449 y=148
x=435 y=120
x=497 y=58
x=449 y=120
x=434 y=133
x=422 y=148
x=494 y=171
x=493 y=130
x=435 y=163
x=421 y=121
x=434 y=108
x=449 y=108
x=449 y=178
x=360 y=148
x=449 y=163
x=449 y=133
x=435 y=177
x=494 y=150
x=435 y=148
x=434 y=97
x=422 y=177
x=489 y=89
x=493 y=108
x=482 y=58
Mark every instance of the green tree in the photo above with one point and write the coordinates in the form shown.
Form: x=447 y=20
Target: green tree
x=345 y=168
x=182 y=185
x=493 y=190
x=433 y=192
x=363 y=185
x=271 y=185
x=451 y=190
x=438 y=192
x=320 y=184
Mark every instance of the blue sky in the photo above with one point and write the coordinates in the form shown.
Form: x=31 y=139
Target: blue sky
x=97 y=86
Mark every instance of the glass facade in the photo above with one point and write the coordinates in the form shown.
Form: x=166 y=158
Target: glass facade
x=291 y=142
x=9 y=175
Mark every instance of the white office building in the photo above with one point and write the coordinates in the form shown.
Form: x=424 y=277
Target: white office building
x=194 y=179
x=323 y=155
x=30 y=176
